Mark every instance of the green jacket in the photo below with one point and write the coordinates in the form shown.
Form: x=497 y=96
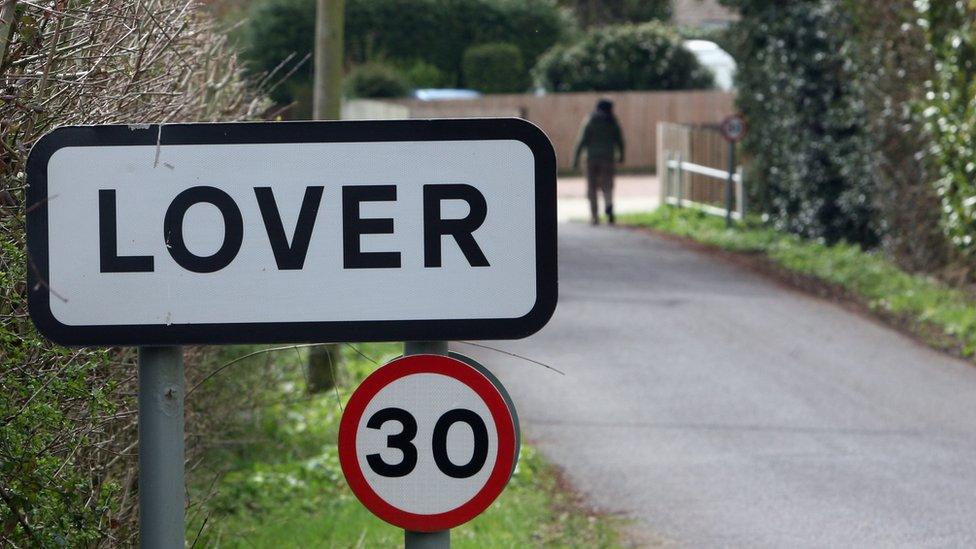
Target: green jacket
x=601 y=137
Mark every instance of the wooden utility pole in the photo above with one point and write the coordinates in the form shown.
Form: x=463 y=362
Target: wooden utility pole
x=329 y=23
x=324 y=361
x=6 y=25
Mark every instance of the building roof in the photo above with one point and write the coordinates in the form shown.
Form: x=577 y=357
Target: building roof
x=701 y=13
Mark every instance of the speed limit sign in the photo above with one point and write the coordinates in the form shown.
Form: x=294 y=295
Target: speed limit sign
x=427 y=442
x=734 y=128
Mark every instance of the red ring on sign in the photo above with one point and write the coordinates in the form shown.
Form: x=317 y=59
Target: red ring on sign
x=427 y=364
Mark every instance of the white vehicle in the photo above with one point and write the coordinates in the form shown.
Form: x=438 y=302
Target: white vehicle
x=439 y=94
x=717 y=60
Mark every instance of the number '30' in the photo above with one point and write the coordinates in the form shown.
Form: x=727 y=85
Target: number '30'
x=403 y=441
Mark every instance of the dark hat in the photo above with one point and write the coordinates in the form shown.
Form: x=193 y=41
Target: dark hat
x=604 y=105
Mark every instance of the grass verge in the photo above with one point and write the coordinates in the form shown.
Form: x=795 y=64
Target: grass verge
x=280 y=485
x=945 y=317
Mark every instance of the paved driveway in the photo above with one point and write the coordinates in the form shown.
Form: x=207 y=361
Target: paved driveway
x=719 y=409
x=632 y=193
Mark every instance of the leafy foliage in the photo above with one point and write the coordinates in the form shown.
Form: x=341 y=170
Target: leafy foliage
x=495 y=68
x=278 y=39
x=950 y=114
x=889 y=48
x=425 y=75
x=376 y=80
x=440 y=31
x=648 y=56
x=67 y=421
x=281 y=33
x=812 y=157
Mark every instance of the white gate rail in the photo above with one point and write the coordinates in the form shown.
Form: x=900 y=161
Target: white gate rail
x=672 y=187
x=674 y=151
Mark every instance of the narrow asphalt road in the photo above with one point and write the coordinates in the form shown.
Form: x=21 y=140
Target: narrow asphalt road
x=717 y=408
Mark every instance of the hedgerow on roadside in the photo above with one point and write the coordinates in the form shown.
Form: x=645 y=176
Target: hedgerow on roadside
x=67 y=416
x=861 y=119
x=401 y=33
x=944 y=315
x=949 y=112
x=812 y=165
x=648 y=56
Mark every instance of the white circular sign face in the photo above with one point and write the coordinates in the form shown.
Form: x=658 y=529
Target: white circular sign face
x=427 y=442
x=427 y=489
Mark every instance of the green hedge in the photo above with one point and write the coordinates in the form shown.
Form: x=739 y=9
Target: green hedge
x=440 y=31
x=495 y=68
x=863 y=123
x=424 y=75
x=648 y=56
x=950 y=115
x=812 y=156
x=376 y=80
x=401 y=32
x=279 y=35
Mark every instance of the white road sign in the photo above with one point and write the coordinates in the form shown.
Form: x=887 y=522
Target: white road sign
x=302 y=231
x=427 y=442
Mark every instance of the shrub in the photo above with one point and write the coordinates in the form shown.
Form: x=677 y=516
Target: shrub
x=69 y=432
x=437 y=32
x=278 y=37
x=892 y=59
x=494 y=68
x=424 y=75
x=812 y=156
x=950 y=115
x=376 y=80
x=648 y=56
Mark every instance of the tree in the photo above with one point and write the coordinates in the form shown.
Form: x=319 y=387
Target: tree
x=495 y=68
x=323 y=361
x=648 y=56
x=403 y=33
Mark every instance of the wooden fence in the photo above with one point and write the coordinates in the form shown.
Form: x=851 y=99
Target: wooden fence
x=561 y=115
x=699 y=156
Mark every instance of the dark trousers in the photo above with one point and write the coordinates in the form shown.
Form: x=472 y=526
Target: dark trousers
x=599 y=176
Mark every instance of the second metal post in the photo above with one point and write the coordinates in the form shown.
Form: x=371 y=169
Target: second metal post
x=729 y=185
x=426 y=540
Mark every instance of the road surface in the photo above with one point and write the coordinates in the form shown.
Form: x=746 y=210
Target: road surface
x=632 y=193
x=718 y=408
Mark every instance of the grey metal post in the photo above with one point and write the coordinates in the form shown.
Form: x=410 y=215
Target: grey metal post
x=740 y=194
x=162 y=489
x=426 y=540
x=680 y=177
x=729 y=185
x=667 y=184
x=425 y=348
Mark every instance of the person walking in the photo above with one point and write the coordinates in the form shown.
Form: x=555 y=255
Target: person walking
x=604 y=143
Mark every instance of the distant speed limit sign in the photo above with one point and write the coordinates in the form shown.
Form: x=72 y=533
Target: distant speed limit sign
x=734 y=128
x=427 y=442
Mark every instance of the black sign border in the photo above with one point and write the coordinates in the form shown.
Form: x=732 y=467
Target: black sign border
x=39 y=294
